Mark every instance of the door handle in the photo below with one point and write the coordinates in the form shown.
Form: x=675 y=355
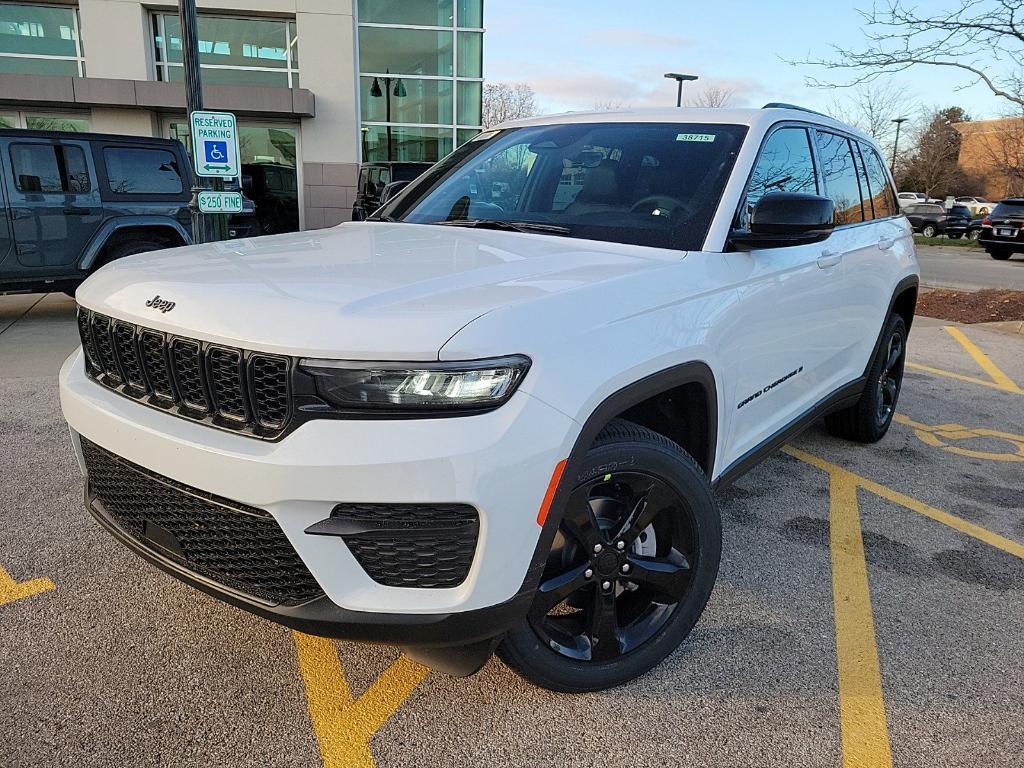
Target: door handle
x=73 y=210
x=886 y=243
x=829 y=259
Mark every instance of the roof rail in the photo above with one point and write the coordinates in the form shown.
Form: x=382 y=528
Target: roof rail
x=783 y=105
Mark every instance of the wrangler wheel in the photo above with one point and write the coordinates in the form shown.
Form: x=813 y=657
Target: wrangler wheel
x=630 y=569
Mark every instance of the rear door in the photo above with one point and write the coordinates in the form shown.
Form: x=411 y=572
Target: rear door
x=55 y=204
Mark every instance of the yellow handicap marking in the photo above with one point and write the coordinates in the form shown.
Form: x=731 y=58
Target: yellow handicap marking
x=343 y=724
x=997 y=379
x=11 y=590
x=940 y=435
x=863 y=726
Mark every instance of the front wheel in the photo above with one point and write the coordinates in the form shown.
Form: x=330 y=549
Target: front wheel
x=928 y=230
x=974 y=234
x=630 y=568
x=867 y=420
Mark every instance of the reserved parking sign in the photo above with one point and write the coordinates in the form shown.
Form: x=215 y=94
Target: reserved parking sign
x=215 y=144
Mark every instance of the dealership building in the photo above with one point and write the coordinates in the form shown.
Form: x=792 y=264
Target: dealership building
x=318 y=85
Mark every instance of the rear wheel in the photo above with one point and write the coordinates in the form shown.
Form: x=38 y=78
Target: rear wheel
x=974 y=234
x=1000 y=254
x=630 y=569
x=928 y=230
x=867 y=420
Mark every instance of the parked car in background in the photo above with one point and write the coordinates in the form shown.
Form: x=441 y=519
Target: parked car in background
x=274 y=188
x=914 y=198
x=931 y=219
x=1002 y=231
x=978 y=206
x=76 y=201
x=374 y=177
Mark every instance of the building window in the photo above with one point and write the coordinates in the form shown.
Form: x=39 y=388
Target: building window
x=232 y=50
x=42 y=121
x=421 y=69
x=40 y=40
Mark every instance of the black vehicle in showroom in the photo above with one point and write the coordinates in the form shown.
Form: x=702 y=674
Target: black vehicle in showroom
x=73 y=202
x=375 y=177
x=1002 y=231
x=930 y=219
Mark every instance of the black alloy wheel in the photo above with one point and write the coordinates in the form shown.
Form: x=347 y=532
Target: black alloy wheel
x=621 y=563
x=890 y=379
x=629 y=570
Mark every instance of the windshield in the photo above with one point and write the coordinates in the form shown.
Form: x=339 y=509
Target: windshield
x=655 y=184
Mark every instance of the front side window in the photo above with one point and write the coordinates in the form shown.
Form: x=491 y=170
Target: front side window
x=49 y=169
x=784 y=165
x=40 y=40
x=878 y=183
x=138 y=171
x=232 y=50
x=655 y=184
x=840 y=175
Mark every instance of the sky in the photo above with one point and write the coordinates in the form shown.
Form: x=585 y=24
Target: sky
x=577 y=54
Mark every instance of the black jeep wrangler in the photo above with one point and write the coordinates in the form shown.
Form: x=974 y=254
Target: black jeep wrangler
x=73 y=202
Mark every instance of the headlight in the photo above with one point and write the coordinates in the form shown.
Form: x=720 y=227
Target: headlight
x=470 y=385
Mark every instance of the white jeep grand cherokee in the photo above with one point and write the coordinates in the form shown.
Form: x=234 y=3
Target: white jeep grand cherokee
x=493 y=416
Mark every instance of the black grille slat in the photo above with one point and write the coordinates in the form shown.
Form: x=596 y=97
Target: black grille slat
x=236 y=545
x=154 y=360
x=128 y=355
x=424 y=546
x=225 y=372
x=226 y=387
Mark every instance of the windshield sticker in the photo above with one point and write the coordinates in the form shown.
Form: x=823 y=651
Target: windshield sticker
x=708 y=137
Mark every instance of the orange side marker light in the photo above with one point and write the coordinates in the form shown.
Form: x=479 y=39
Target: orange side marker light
x=549 y=495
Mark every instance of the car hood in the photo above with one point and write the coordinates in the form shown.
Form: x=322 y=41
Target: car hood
x=359 y=290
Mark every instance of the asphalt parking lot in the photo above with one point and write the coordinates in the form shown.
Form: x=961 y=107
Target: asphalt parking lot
x=869 y=612
x=968 y=268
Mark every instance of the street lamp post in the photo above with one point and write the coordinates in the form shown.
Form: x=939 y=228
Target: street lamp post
x=398 y=92
x=680 y=79
x=896 y=142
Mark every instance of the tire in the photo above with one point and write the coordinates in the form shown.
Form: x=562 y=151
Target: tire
x=678 y=527
x=974 y=234
x=128 y=248
x=867 y=420
x=1000 y=254
x=984 y=211
x=928 y=230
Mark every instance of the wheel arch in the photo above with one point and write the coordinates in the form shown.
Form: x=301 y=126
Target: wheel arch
x=113 y=229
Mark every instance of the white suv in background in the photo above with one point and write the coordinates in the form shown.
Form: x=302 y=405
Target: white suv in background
x=492 y=416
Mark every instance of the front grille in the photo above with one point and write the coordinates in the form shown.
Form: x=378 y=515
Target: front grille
x=230 y=388
x=412 y=545
x=239 y=546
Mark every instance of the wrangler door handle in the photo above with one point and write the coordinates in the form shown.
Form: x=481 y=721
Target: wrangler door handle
x=829 y=259
x=886 y=243
x=73 y=210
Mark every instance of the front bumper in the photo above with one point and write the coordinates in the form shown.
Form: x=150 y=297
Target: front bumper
x=499 y=462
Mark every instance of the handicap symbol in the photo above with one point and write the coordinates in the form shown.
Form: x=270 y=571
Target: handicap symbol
x=216 y=151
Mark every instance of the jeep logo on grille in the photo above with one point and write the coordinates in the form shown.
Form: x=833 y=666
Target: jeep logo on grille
x=161 y=304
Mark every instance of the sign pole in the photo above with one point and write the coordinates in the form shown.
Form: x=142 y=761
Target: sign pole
x=205 y=227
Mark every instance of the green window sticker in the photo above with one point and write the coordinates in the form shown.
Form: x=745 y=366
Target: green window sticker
x=707 y=137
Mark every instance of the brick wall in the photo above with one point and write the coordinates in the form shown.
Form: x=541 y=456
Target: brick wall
x=329 y=190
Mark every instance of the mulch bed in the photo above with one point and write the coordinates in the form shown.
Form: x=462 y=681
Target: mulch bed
x=988 y=306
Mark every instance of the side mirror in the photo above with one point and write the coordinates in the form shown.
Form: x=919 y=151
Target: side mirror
x=782 y=219
x=391 y=190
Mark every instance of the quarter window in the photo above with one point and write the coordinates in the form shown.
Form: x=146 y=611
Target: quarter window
x=137 y=171
x=840 y=174
x=784 y=165
x=878 y=182
x=49 y=169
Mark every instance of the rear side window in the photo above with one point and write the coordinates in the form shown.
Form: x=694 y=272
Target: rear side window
x=840 y=175
x=878 y=183
x=784 y=165
x=139 y=171
x=49 y=169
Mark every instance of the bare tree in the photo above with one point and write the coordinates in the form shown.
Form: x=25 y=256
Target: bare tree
x=933 y=165
x=507 y=101
x=872 y=107
x=712 y=96
x=609 y=105
x=981 y=38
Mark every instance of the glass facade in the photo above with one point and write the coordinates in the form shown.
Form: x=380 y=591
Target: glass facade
x=37 y=121
x=421 y=70
x=232 y=50
x=40 y=40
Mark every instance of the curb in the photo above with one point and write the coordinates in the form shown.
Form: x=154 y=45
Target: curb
x=1004 y=326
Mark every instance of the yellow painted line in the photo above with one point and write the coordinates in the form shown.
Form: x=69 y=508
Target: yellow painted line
x=959 y=524
x=998 y=377
x=344 y=725
x=11 y=590
x=863 y=727
x=939 y=436
x=954 y=375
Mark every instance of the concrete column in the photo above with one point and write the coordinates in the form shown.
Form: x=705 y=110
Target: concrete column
x=134 y=122
x=117 y=39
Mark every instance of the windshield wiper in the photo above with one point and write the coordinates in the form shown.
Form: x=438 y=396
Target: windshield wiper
x=508 y=226
x=388 y=219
